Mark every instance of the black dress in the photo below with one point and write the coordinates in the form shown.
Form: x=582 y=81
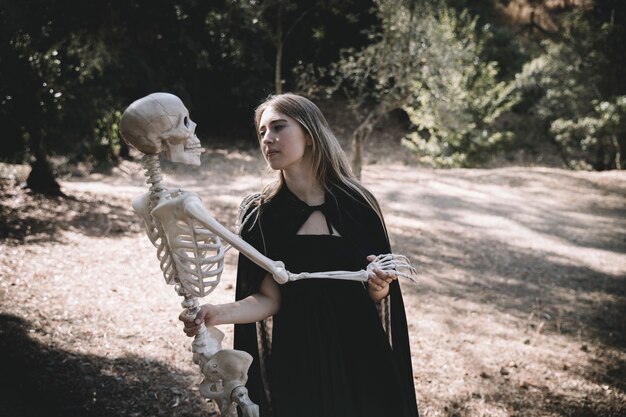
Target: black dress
x=326 y=353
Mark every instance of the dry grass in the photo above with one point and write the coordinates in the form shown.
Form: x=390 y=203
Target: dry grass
x=519 y=310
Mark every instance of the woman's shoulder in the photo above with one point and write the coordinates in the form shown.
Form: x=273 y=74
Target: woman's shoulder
x=356 y=197
x=360 y=215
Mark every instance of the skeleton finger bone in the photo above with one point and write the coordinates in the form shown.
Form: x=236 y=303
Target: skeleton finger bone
x=395 y=264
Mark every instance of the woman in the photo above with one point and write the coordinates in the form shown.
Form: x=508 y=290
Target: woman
x=321 y=347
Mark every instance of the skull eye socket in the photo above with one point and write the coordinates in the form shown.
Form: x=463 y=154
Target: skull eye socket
x=186 y=121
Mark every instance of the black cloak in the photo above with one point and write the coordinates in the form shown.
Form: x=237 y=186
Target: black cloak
x=283 y=215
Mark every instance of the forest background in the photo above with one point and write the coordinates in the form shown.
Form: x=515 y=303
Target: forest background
x=469 y=82
x=491 y=131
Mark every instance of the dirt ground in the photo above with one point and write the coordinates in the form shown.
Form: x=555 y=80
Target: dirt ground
x=519 y=309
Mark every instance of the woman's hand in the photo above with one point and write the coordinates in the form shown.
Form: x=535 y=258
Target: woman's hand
x=253 y=308
x=378 y=281
x=206 y=315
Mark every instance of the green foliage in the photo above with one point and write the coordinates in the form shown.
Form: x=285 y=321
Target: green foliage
x=320 y=28
x=458 y=100
x=382 y=73
x=594 y=134
x=377 y=78
x=50 y=86
x=427 y=60
x=104 y=150
x=564 y=90
x=503 y=44
x=67 y=69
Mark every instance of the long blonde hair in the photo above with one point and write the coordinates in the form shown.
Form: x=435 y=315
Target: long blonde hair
x=330 y=163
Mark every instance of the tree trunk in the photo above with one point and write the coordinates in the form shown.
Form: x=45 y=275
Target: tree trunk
x=278 y=79
x=363 y=131
x=124 y=150
x=358 y=137
x=357 y=152
x=41 y=178
x=600 y=162
x=618 y=152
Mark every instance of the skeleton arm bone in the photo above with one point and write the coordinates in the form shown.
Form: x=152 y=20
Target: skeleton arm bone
x=388 y=262
x=194 y=208
x=385 y=262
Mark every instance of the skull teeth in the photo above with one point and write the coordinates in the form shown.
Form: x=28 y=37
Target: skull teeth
x=197 y=151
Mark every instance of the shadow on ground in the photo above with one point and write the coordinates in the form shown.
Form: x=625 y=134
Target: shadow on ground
x=508 y=402
x=28 y=217
x=39 y=380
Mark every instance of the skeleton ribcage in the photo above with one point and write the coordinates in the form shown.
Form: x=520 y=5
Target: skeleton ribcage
x=190 y=255
x=198 y=255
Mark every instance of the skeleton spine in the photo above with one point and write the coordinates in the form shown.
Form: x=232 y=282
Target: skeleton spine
x=155 y=178
x=152 y=165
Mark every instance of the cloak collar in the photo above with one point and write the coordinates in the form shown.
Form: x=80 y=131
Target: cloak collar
x=348 y=213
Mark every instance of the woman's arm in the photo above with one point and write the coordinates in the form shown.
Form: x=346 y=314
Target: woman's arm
x=253 y=308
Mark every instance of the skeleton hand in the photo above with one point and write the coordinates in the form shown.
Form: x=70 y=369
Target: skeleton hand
x=207 y=315
x=379 y=280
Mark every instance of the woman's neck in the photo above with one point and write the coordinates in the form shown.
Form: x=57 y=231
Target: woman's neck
x=305 y=187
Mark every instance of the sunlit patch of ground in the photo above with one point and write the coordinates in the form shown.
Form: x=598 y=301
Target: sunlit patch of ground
x=518 y=311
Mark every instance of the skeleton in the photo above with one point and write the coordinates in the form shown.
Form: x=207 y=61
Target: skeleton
x=190 y=246
x=191 y=257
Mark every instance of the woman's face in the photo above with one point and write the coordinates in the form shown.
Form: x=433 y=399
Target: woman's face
x=283 y=141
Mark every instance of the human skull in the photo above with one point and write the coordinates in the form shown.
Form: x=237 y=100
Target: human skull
x=160 y=122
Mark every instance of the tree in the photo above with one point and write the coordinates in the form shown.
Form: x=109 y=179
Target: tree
x=378 y=78
x=602 y=129
x=277 y=19
x=566 y=90
x=426 y=60
x=68 y=69
x=30 y=85
x=458 y=99
x=319 y=29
